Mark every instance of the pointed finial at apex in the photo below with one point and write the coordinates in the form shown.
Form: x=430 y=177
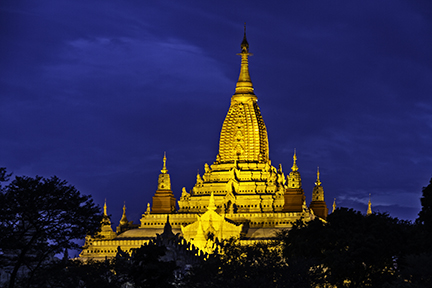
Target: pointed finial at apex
x=334 y=205
x=148 y=209
x=164 y=170
x=244 y=87
x=294 y=167
x=105 y=209
x=318 y=182
x=124 y=220
x=369 y=210
x=244 y=45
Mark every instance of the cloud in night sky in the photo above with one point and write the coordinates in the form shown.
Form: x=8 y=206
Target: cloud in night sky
x=95 y=92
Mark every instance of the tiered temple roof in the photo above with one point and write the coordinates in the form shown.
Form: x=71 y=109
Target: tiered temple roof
x=240 y=195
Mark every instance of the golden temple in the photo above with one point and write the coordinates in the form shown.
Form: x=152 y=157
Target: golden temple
x=240 y=195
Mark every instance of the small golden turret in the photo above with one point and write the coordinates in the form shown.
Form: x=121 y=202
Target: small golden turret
x=105 y=209
x=164 y=182
x=164 y=169
x=124 y=220
x=369 y=210
x=106 y=230
x=163 y=199
x=125 y=224
x=147 y=212
x=318 y=182
x=294 y=168
x=294 y=178
x=294 y=194
x=318 y=191
x=318 y=204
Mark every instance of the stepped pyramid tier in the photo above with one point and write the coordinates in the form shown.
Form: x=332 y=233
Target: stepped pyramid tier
x=164 y=200
x=318 y=204
x=242 y=177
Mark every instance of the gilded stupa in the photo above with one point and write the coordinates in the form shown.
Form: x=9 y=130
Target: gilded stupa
x=242 y=177
x=241 y=194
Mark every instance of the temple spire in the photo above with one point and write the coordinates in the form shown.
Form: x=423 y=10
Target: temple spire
x=105 y=209
x=163 y=199
x=369 y=210
x=106 y=230
x=244 y=45
x=318 y=182
x=164 y=170
x=294 y=167
x=124 y=220
x=334 y=205
x=244 y=83
x=318 y=204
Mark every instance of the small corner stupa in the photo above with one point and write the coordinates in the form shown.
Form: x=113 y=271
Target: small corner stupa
x=164 y=201
x=318 y=204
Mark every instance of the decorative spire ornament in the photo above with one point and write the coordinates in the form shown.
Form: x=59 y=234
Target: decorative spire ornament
x=318 y=182
x=164 y=169
x=105 y=209
x=244 y=135
x=148 y=209
x=334 y=205
x=369 y=210
x=244 y=83
x=124 y=220
x=294 y=167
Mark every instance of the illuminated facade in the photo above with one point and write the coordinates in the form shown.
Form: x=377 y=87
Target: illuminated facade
x=240 y=195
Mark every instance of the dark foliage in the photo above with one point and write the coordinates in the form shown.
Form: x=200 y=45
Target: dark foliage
x=145 y=268
x=352 y=249
x=76 y=274
x=425 y=215
x=258 y=265
x=4 y=176
x=40 y=217
x=148 y=269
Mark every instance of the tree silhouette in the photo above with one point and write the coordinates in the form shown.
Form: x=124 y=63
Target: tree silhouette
x=425 y=215
x=353 y=250
x=40 y=217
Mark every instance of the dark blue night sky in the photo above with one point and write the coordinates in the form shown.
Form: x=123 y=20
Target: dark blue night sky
x=95 y=92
